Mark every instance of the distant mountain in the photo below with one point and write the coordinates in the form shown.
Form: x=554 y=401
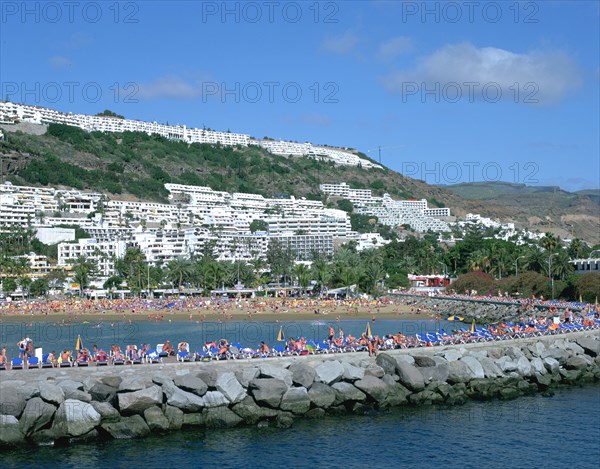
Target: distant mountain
x=543 y=208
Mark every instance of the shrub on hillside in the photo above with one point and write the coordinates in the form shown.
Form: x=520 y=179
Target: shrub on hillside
x=588 y=286
x=480 y=281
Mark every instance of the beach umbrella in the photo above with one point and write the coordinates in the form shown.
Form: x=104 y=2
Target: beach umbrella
x=280 y=335
x=368 y=331
x=79 y=344
x=580 y=298
x=473 y=327
x=455 y=318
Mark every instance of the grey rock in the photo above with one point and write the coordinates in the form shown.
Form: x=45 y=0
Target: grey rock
x=452 y=355
x=183 y=400
x=490 y=369
x=352 y=373
x=296 y=400
x=10 y=433
x=251 y=412
x=29 y=390
x=69 y=385
x=191 y=384
x=138 y=401
x=161 y=378
x=523 y=366
x=36 y=415
x=410 y=376
x=209 y=376
x=474 y=366
x=404 y=358
x=75 y=418
x=330 y=371
x=12 y=402
x=576 y=362
x=537 y=365
x=551 y=364
x=321 y=395
x=230 y=387
x=374 y=370
x=302 y=374
x=106 y=411
x=268 y=370
x=437 y=373
x=459 y=372
x=128 y=427
x=221 y=417
x=514 y=353
x=194 y=420
x=52 y=393
x=215 y=399
x=423 y=361
x=397 y=396
x=559 y=354
x=112 y=381
x=246 y=375
x=135 y=383
x=589 y=345
x=78 y=395
x=268 y=391
x=574 y=348
x=174 y=416
x=506 y=364
x=537 y=348
x=156 y=420
x=347 y=392
x=102 y=392
x=388 y=363
x=373 y=387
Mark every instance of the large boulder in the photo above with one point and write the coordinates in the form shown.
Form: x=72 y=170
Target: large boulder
x=302 y=374
x=191 y=384
x=452 y=355
x=459 y=372
x=321 y=395
x=138 y=401
x=423 y=361
x=490 y=369
x=209 y=376
x=128 y=427
x=537 y=348
x=246 y=375
x=559 y=354
x=75 y=418
x=52 y=393
x=221 y=417
x=352 y=373
x=345 y=392
x=156 y=420
x=474 y=366
x=437 y=373
x=10 y=432
x=69 y=385
x=373 y=387
x=523 y=366
x=230 y=387
x=506 y=364
x=268 y=391
x=590 y=346
x=329 y=372
x=12 y=402
x=574 y=348
x=183 y=400
x=388 y=363
x=537 y=366
x=102 y=392
x=551 y=364
x=373 y=369
x=296 y=400
x=106 y=411
x=215 y=399
x=135 y=383
x=410 y=376
x=36 y=415
x=251 y=412
x=174 y=416
x=112 y=381
x=268 y=370
x=576 y=362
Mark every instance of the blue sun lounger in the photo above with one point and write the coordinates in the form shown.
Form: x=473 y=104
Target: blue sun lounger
x=16 y=363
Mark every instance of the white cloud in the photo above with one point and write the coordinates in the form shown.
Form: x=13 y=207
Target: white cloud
x=318 y=120
x=394 y=47
x=552 y=74
x=170 y=87
x=341 y=45
x=58 y=61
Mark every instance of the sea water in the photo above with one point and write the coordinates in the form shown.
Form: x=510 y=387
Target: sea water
x=530 y=432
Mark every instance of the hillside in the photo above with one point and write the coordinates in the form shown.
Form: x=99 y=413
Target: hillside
x=135 y=165
x=543 y=208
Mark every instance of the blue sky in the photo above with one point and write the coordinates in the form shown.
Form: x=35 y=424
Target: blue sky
x=451 y=91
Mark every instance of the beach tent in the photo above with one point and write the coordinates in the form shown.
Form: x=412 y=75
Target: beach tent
x=280 y=335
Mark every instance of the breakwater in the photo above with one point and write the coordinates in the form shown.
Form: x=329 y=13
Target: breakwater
x=482 y=311
x=58 y=406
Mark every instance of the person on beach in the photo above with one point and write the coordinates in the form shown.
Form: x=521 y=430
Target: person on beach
x=264 y=348
x=168 y=348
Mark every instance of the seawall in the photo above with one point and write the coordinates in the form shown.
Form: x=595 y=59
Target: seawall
x=62 y=406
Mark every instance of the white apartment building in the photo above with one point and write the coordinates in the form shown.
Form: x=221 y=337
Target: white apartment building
x=103 y=254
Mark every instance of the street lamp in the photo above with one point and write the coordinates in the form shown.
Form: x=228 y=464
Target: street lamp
x=550 y=272
x=517 y=265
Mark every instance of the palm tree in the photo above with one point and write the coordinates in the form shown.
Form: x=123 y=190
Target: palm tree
x=84 y=271
x=179 y=270
x=561 y=265
x=535 y=260
x=550 y=242
x=321 y=273
x=302 y=274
